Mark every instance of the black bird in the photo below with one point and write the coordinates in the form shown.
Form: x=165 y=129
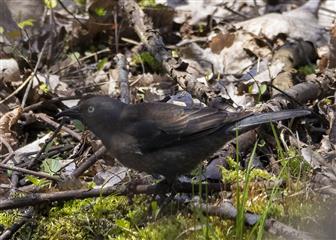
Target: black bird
x=162 y=138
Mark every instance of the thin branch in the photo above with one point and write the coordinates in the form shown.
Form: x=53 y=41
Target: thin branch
x=30 y=172
x=49 y=140
x=53 y=100
x=54 y=124
x=89 y=162
x=37 y=199
x=227 y=211
x=25 y=96
x=123 y=78
x=73 y=15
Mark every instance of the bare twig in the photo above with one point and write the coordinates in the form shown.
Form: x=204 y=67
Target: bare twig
x=14 y=181
x=123 y=78
x=116 y=29
x=131 y=41
x=227 y=211
x=73 y=15
x=25 y=96
x=54 y=100
x=9 y=157
x=52 y=137
x=302 y=93
x=30 y=172
x=234 y=12
x=8 y=146
x=37 y=199
x=18 y=89
x=89 y=162
x=54 y=124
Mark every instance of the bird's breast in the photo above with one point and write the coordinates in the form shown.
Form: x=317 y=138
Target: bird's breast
x=121 y=144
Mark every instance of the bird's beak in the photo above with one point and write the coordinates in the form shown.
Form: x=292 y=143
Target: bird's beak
x=71 y=112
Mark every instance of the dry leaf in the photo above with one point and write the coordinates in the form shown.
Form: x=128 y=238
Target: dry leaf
x=300 y=23
x=7 y=136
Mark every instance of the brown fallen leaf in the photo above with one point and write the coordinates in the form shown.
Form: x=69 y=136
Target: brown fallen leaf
x=7 y=136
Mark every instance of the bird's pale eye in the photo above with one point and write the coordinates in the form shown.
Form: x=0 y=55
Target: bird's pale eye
x=90 y=109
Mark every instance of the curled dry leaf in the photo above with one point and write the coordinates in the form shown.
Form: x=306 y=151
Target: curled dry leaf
x=7 y=136
x=300 y=23
x=228 y=53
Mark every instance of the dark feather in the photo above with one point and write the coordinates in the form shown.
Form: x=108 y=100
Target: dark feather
x=157 y=125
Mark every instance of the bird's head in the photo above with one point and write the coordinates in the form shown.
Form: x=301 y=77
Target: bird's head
x=96 y=113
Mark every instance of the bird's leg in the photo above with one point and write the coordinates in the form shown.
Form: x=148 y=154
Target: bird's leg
x=161 y=188
x=167 y=183
x=131 y=187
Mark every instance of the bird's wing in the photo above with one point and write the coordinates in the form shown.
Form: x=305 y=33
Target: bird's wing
x=156 y=125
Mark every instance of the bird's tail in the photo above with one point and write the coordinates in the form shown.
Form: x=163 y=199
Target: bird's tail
x=252 y=121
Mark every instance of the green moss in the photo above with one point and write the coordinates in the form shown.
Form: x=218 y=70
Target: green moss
x=168 y=228
x=7 y=218
x=234 y=176
x=184 y=226
x=113 y=217
x=85 y=219
x=294 y=168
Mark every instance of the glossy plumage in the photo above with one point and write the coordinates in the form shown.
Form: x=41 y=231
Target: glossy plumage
x=161 y=138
